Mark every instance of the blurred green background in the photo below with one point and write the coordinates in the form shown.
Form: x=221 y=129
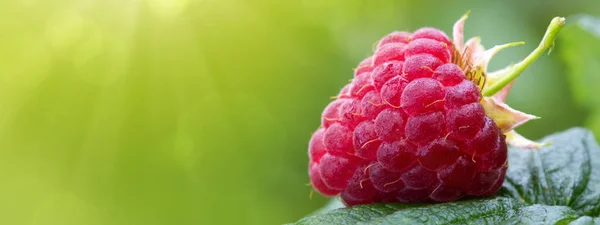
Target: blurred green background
x=199 y=111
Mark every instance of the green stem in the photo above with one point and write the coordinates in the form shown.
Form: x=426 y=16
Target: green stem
x=547 y=42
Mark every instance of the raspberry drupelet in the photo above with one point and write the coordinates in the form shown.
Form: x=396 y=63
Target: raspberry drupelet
x=413 y=125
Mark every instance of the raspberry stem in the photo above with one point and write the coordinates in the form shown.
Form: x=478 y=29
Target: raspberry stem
x=513 y=72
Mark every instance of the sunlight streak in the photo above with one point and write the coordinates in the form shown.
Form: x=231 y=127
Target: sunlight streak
x=167 y=7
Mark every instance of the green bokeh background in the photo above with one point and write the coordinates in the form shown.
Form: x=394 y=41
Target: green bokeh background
x=199 y=111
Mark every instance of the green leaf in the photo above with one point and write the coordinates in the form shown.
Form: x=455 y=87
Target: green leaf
x=501 y=210
x=566 y=173
x=559 y=184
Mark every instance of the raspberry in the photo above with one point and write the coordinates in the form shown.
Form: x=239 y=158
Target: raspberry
x=414 y=119
x=413 y=125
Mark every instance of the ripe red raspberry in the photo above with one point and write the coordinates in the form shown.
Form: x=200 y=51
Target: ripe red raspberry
x=413 y=126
